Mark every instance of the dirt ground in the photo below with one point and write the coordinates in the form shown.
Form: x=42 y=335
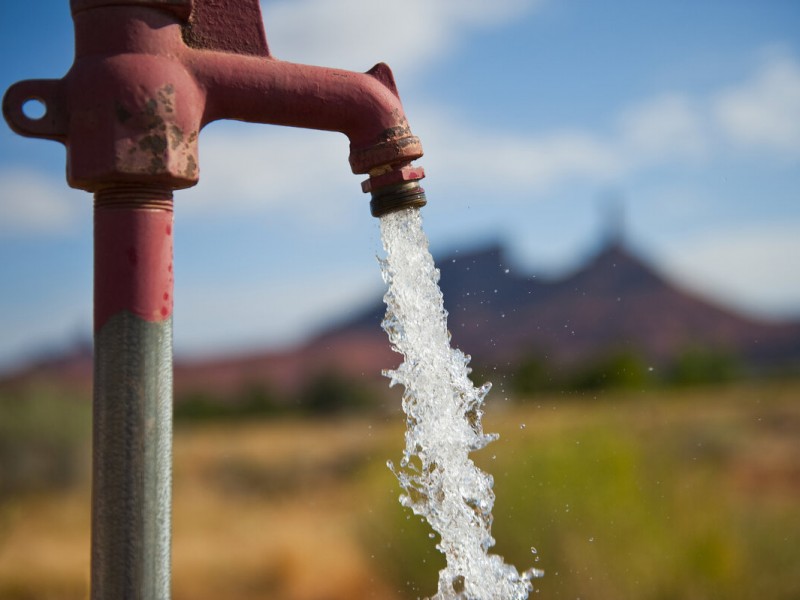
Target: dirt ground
x=296 y=510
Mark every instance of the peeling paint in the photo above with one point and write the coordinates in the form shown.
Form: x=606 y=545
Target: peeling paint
x=176 y=136
x=191 y=168
x=159 y=145
x=153 y=143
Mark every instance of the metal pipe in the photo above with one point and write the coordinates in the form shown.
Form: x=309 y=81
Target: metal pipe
x=132 y=407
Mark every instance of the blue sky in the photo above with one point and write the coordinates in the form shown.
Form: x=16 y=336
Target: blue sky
x=532 y=114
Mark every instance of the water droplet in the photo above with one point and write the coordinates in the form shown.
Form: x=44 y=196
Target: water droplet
x=533 y=550
x=535 y=573
x=522 y=425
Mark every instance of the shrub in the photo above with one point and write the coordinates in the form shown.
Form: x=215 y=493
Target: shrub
x=703 y=365
x=329 y=392
x=622 y=370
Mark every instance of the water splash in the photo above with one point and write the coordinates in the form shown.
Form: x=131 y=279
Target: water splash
x=443 y=417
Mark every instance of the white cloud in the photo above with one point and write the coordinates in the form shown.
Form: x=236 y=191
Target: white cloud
x=31 y=202
x=408 y=35
x=505 y=162
x=261 y=165
x=673 y=128
x=257 y=169
x=756 y=268
x=764 y=112
x=663 y=128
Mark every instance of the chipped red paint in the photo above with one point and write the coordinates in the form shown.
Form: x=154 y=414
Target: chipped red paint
x=133 y=262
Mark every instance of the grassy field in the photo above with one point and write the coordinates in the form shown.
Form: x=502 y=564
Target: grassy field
x=648 y=496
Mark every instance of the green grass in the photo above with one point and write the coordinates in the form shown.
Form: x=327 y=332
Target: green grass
x=44 y=437
x=690 y=494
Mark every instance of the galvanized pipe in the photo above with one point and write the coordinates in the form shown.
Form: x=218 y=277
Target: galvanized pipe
x=132 y=428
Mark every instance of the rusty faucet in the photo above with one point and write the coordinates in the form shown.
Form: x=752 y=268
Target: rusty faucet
x=147 y=76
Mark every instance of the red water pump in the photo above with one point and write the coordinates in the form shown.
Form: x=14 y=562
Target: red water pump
x=147 y=76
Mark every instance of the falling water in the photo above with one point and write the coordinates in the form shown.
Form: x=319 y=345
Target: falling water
x=443 y=416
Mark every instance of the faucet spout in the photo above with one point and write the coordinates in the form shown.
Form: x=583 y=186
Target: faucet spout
x=365 y=107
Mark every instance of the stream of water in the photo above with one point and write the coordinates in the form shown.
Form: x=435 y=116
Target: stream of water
x=443 y=416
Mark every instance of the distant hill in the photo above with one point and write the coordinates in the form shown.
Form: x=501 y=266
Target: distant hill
x=615 y=302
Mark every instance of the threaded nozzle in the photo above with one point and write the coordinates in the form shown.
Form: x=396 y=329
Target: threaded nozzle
x=397 y=197
x=394 y=188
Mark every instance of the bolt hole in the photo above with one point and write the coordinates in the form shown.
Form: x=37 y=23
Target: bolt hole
x=34 y=109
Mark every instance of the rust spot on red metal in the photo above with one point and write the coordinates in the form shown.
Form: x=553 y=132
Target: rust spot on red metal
x=190 y=172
